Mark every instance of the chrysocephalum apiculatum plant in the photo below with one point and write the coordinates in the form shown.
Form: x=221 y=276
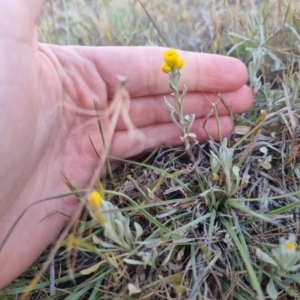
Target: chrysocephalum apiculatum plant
x=172 y=65
x=116 y=225
x=283 y=261
x=117 y=229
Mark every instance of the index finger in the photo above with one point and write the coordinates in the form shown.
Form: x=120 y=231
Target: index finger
x=142 y=67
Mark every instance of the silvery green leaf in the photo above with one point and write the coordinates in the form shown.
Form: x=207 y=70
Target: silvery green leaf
x=120 y=231
x=271 y=290
x=236 y=172
x=277 y=63
x=256 y=85
x=138 y=230
x=251 y=71
x=133 y=262
x=167 y=103
x=119 y=216
x=282 y=240
x=265 y=257
x=294 y=268
x=258 y=57
x=171 y=84
x=173 y=118
x=266 y=88
x=292 y=238
x=226 y=155
x=216 y=159
x=291 y=260
x=193 y=117
x=268 y=158
x=176 y=77
x=120 y=228
x=264 y=150
x=191 y=122
x=187 y=118
x=297 y=275
x=98 y=241
x=214 y=163
x=110 y=233
x=106 y=208
x=128 y=235
x=148 y=258
x=297 y=256
x=184 y=90
x=277 y=254
x=154 y=253
x=297 y=172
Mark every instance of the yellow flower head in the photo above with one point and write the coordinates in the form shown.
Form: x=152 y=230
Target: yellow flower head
x=170 y=57
x=166 y=68
x=179 y=64
x=290 y=246
x=172 y=61
x=94 y=198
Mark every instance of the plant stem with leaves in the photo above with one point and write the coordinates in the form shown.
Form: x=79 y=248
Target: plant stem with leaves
x=172 y=65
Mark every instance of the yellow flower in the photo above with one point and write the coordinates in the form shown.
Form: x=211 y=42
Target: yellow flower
x=94 y=199
x=166 y=68
x=172 y=61
x=170 y=57
x=179 y=64
x=290 y=246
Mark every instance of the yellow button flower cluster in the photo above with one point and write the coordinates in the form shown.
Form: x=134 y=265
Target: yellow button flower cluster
x=94 y=202
x=172 y=61
x=290 y=246
x=94 y=199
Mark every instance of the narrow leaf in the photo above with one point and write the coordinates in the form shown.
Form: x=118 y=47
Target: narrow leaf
x=271 y=290
x=91 y=269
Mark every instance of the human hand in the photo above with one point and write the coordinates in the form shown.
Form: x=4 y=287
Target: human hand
x=42 y=138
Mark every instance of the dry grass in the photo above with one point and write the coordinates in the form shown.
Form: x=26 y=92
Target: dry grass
x=201 y=231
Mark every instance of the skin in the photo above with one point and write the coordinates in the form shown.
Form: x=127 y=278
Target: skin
x=41 y=139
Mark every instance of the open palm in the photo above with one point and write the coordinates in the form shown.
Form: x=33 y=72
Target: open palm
x=44 y=137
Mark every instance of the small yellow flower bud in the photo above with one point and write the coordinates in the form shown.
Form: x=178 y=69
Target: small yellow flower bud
x=166 y=68
x=179 y=64
x=290 y=246
x=94 y=198
x=171 y=57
